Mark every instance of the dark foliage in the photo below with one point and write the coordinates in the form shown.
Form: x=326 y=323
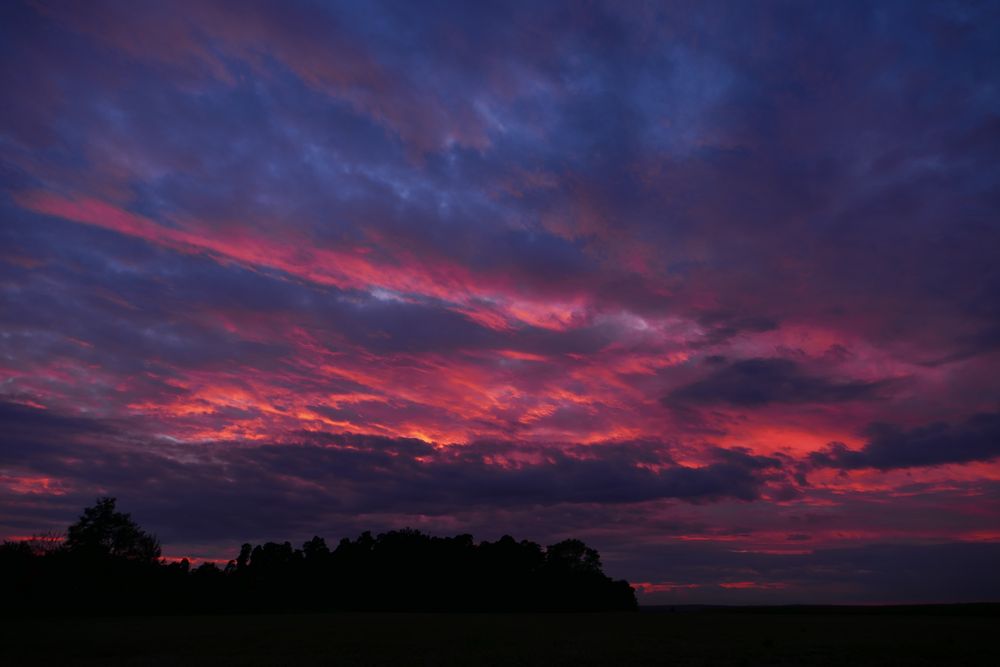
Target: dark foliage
x=103 y=532
x=107 y=564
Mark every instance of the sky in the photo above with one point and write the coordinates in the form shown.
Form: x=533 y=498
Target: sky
x=711 y=286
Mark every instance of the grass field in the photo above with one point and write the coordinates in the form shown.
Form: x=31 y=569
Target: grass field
x=744 y=637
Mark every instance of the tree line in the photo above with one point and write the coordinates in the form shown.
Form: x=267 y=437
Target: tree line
x=108 y=564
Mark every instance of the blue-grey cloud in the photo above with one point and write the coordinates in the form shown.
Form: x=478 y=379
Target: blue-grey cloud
x=757 y=382
x=888 y=446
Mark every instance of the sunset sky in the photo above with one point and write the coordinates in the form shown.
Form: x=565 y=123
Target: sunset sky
x=712 y=286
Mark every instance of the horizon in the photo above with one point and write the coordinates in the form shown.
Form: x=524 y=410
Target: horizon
x=712 y=287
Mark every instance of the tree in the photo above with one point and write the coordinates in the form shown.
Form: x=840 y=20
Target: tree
x=315 y=550
x=243 y=560
x=108 y=564
x=102 y=531
x=573 y=556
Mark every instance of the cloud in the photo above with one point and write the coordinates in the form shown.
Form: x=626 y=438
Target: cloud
x=362 y=473
x=758 y=382
x=225 y=229
x=26 y=428
x=890 y=447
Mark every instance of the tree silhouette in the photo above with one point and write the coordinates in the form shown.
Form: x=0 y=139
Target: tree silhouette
x=573 y=556
x=103 y=531
x=315 y=550
x=108 y=564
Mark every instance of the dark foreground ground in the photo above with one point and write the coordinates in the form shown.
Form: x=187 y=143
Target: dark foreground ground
x=688 y=637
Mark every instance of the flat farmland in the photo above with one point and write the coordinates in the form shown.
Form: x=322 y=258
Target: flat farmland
x=706 y=637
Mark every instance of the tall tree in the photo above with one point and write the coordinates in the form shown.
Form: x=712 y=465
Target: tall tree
x=103 y=531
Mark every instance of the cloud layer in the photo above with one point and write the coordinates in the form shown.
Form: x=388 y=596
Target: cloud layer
x=711 y=279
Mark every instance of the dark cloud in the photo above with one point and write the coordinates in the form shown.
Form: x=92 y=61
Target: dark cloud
x=26 y=427
x=358 y=473
x=757 y=382
x=889 y=447
x=720 y=327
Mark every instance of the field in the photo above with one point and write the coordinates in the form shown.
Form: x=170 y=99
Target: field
x=704 y=637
